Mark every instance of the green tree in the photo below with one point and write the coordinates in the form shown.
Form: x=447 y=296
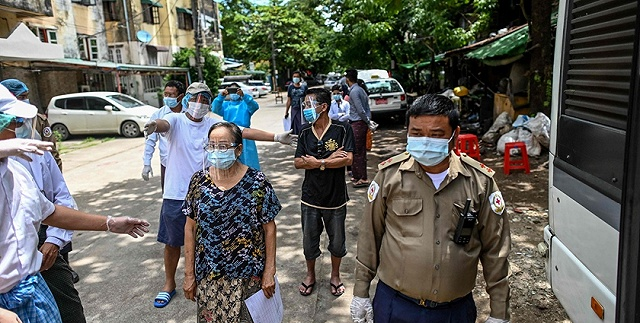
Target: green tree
x=211 y=70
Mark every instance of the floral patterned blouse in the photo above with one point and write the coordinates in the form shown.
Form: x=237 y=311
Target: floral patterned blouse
x=230 y=239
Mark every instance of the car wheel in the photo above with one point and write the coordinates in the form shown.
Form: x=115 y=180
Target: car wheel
x=130 y=129
x=62 y=130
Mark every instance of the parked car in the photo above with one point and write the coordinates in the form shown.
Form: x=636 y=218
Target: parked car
x=263 y=89
x=386 y=95
x=247 y=89
x=331 y=81
x=98 y=113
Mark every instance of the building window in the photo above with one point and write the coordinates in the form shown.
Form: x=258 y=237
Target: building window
x=184 y=19
x=85 y=2
x=110 y=10
x=46 y=35
x=88 y=47
x=151 y=14
x=115 y=54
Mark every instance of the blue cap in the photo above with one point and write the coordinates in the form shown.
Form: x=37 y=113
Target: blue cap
x=16 y=87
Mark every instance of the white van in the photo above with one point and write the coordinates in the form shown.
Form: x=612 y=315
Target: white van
x=386 y=95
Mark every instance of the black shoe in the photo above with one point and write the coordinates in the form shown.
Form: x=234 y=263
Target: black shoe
x=74 y=276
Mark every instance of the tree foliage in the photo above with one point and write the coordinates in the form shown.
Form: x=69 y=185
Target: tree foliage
x=331 y=34
x=211 y=69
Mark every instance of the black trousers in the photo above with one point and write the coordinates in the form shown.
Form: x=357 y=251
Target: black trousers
x=59 y=280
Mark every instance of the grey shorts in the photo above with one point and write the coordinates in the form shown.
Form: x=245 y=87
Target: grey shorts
x=314 y=220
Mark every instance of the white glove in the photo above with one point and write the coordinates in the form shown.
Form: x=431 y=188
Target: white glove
x=373 y=125
x=361 y=310
x=19 y=147
x=286 y=138
x=495 y=320
x=150 y=128
x=146 y=170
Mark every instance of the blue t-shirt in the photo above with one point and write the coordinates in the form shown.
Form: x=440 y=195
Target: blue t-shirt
x=296 y=94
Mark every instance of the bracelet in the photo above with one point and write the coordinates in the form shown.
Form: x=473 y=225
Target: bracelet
x=109 y=218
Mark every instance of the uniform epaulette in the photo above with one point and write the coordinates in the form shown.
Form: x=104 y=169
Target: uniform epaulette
x=477 y=165
x=42 y=116
x=395 y=159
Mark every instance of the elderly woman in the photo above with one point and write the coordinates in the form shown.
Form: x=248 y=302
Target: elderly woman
x=230 y=234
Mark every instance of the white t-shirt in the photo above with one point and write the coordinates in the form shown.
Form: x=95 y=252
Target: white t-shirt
x=186 y=140
x=22 y=208
x=438 y=178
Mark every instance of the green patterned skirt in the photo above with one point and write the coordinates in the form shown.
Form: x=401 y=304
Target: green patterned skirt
x=222 y=299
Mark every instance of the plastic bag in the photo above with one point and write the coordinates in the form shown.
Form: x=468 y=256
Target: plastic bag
x=540 y=126
x=511 y=136
x=499 y=127
x=286 y=123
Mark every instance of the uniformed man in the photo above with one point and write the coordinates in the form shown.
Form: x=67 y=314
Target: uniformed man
x=408 y=235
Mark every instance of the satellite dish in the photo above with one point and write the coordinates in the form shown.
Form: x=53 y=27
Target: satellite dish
x=143 y=36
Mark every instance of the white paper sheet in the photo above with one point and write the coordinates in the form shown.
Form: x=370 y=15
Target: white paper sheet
x=266 y=310
x=286 y=122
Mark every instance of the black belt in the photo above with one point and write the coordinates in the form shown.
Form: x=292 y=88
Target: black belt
x=431 y=304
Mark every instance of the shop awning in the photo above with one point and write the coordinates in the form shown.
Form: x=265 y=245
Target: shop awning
x=438 y=58
x=511 y=45
x=183 y=10
x=23 y=45
x=150 y=2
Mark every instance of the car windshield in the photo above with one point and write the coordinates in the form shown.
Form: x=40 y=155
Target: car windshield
x=383 y=86
x=125 y=101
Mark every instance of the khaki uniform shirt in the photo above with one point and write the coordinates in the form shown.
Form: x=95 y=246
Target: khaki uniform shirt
x=407 y=230
x=43 y=128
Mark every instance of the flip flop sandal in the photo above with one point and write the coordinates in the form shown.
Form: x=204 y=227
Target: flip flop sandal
x=163 y=299
x=337 y=293
x=361 y=184
x=308 y=289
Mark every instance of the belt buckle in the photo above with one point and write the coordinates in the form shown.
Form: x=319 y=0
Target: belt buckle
x=427 y=303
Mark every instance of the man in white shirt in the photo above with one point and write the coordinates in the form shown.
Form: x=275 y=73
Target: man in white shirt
x=339 y=109
x=173 y=93
x=187 y=136
x=48 y=177
x=23 y=207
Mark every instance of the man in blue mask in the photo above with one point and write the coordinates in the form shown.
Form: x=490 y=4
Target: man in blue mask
x=413 y=234
x=295 y=95
x=173 y=93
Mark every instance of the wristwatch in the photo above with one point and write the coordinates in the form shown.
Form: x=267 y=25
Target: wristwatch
x=322 y=164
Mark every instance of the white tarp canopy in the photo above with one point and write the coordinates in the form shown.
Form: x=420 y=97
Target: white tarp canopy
x=23 y=45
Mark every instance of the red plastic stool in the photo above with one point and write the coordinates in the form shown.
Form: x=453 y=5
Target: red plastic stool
x=468 y=144
x=512 y=164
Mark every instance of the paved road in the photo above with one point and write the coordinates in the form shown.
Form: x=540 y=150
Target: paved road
x=120 y=275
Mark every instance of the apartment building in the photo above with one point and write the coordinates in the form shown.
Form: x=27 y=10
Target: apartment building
x=108 y=45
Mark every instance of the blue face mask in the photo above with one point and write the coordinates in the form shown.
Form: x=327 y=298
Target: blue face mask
x=337 y=97
x=185 y=101
x=296 y=80
x=170 y=102
x=222 y=160
x=234 y=97
x=428 y=151
x=23 y=132
x=26 y=101
x=310 y=114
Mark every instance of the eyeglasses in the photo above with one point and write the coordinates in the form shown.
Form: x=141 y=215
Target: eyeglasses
x=320 y=148
x=211 y=147
x=309 y=104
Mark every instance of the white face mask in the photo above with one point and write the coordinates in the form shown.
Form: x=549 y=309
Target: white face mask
x=198 y=110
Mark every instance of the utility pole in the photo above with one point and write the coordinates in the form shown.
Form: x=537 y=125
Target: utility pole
x=274 y=71
x=197 y=37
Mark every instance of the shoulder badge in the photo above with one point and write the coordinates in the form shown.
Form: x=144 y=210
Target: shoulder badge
x=477 y=165
x=46 y=132
x=373 y=190
x=395 y=159
x=497 y=202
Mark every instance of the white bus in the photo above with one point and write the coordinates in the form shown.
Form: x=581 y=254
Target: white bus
x=593 y=236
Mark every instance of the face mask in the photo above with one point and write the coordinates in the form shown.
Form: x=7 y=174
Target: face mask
x=185 y=101
x=198 y=110
x=234 y=97
x=337 y=97
x=310 y=114
x=26 y=101
x=23 y=132
x=296 y=80
x=222 y=160
x=170 y=102
x=428 y=151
